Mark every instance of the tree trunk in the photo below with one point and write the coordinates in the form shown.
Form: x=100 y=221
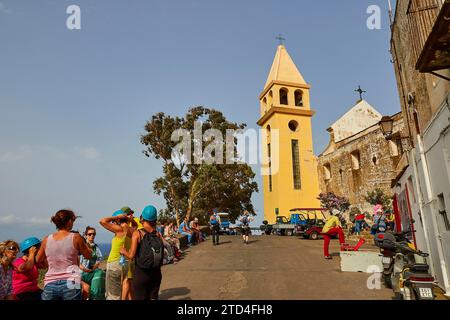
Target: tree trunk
x=175 y=206
x=189 y=208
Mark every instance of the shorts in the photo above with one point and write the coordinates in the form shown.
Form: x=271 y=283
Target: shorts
x=115 y=273
x=61 y=290
x=246 y=231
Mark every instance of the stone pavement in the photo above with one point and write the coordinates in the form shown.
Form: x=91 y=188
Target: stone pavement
x=270 y=267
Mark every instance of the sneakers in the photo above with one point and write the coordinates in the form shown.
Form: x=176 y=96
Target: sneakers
x=328 y=257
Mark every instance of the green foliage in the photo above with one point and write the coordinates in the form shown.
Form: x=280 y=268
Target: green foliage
x=354 y=211
x=166 y=216
x=378 y=196
x=192 y=189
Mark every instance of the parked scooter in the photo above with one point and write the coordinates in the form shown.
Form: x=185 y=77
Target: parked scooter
x=405 y=269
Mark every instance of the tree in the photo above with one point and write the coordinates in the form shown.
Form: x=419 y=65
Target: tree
x=194 y=188
x=166 y=216
x=378 y=196
x=331 y=201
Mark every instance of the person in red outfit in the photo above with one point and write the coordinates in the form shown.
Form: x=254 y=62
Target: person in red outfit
x=332 y=228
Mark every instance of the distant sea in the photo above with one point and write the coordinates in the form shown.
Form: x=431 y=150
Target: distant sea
x=104 y=248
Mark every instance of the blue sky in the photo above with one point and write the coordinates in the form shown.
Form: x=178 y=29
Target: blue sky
x=73 y=103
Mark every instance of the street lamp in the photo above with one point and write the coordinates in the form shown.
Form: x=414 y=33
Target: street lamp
x=387 y=127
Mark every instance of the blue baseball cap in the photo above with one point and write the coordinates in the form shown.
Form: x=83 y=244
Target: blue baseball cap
x=118 y=213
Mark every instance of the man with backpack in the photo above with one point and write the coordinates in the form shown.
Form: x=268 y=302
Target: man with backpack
x=245 y=220
x=214 y=227
x=147 y=249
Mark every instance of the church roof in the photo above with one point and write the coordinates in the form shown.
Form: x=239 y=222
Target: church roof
x=360 y=117
x=284 y=69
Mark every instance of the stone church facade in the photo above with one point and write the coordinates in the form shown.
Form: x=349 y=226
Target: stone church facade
x=358 y=158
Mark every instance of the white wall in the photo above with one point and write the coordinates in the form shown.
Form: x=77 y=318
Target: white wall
x=436 y=140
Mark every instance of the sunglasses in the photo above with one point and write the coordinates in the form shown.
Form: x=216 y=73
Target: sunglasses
x=13 y=248
x=91 y=234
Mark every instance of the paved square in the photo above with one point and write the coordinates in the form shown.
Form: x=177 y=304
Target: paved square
x=270 y=267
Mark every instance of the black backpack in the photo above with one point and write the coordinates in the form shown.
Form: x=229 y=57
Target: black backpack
x=150 y=253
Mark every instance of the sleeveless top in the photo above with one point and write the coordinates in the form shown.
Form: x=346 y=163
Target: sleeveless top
x=116 y=244
x=62 y=260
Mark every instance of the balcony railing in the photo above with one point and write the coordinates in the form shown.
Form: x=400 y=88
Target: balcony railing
x=422 y=15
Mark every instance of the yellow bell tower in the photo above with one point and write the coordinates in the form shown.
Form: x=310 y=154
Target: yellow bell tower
x=291 y=180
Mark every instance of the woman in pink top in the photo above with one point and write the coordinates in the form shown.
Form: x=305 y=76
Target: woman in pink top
x=26 y=274
x=61 y=249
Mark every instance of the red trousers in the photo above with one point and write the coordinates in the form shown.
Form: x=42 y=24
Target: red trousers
x=326 y=238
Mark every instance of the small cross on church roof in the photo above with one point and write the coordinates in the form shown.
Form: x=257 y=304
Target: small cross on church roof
x=280 y=38
x=360 y=91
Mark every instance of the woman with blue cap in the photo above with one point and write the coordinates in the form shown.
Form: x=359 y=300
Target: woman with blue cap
x=147 y=249
x=117 y=283
x=26 y=274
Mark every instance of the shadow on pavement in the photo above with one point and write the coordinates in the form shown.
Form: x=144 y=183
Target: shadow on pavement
x=173 y=292
x=224 y=242
x=335 y=254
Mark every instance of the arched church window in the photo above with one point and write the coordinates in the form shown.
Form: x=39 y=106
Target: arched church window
x=375 y=160
x=298 y=96
x=270 y=99
x=264 y=104
x=356 y=159
x=327 y=171
x=283 y=96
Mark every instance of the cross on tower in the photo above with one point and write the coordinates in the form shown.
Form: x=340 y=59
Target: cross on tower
x=280 y=38
x=360 y=91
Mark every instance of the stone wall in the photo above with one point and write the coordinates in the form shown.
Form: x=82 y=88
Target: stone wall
x=376 y=169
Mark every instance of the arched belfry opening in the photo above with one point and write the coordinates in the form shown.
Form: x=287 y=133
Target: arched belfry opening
x=284 y=96
x=298 y=96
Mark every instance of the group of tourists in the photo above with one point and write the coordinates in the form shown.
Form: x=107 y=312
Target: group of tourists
x=59 y=253
x=71 y=261
x=383 y=220
x=191 y=229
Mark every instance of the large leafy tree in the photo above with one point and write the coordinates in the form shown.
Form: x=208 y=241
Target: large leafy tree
x=193 y=188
